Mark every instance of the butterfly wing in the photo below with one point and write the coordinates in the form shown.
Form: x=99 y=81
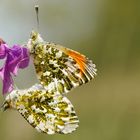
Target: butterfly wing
x=60 y=69
x=46 y=113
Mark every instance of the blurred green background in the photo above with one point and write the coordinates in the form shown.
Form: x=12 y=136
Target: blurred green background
x=108 y=32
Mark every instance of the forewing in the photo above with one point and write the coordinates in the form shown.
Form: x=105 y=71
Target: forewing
x=60 y=69
x=48 y=114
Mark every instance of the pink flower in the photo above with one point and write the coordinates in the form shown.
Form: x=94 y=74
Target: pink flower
x=17 y=57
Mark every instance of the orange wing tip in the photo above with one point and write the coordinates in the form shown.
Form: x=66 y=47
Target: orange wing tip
x=86 y=66
x=79 y=58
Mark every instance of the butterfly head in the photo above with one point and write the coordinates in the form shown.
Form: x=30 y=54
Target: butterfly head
x=10 y=100
x=34 y=40
x=5 y=106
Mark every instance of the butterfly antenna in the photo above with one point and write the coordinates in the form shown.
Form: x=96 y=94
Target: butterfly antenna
x=37 y=14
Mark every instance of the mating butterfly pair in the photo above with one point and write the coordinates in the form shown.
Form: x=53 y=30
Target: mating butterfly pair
x=59 y=70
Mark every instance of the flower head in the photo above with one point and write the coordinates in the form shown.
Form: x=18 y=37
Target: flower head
x=16 y=58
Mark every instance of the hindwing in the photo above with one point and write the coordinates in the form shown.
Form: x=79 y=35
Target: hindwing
x=46 y=113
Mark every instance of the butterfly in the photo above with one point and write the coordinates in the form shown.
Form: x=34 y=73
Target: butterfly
x=58 y=70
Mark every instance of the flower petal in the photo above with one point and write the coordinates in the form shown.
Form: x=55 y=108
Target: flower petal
x=17 y=57
x=25 y=59
x=7 y=80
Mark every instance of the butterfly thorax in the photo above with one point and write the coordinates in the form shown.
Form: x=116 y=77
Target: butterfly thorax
x=33 y=42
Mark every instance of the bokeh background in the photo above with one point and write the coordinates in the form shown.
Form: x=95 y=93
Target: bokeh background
x=108 y=32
